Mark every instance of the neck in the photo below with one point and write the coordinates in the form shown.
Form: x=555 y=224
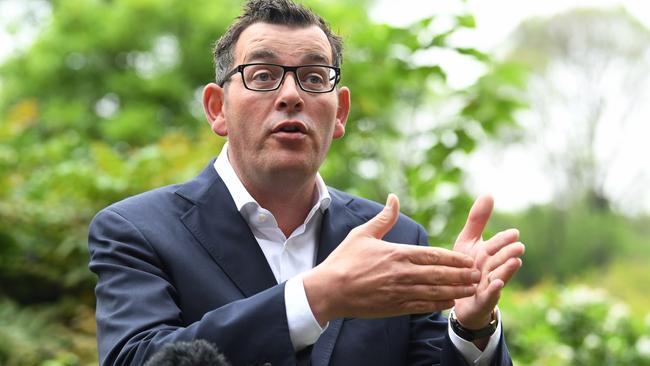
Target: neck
x=289 y=205
x=288 y=195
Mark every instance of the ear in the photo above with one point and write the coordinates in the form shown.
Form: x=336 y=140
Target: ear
x=342 y=112
x=213 y=102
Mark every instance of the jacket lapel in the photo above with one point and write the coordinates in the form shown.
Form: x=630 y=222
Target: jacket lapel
x=216 y=223
x=337 y=223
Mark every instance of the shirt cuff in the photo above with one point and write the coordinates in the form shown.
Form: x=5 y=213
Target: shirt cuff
x=304 y=329
x=470 y=352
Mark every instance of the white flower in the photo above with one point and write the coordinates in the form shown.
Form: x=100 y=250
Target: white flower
x=582 y=295
x=643 y=346
x=564 y=352
x=554 y=316
x=617 y=313
x=591 y=341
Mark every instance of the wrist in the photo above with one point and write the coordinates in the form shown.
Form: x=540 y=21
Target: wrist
x=475 y=332
x=316 y=292
x=472 y=319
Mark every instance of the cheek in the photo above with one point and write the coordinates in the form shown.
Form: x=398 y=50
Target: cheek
x=329 y=120
x=241 y=116
x=327 y=110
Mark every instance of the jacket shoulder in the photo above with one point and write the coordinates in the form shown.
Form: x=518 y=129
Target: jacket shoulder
x=366 y=209
x=171 y=199
x=158 y=199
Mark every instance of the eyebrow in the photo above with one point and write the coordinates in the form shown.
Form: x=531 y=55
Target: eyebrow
x=261 y=55
x=316 y=58
x=270 y=56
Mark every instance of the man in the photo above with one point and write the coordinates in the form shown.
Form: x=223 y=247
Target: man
x=257 y=256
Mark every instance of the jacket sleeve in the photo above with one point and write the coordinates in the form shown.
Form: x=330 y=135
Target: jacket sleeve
x=137 y=313
x=430 y=343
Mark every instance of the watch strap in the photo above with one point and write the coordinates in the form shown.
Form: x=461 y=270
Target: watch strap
x=473 y=334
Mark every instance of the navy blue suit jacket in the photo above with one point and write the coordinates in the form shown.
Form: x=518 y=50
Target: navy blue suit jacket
x=180 y=263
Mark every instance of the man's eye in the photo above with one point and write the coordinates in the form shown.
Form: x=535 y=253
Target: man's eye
x=262 y=76
x=314 y=79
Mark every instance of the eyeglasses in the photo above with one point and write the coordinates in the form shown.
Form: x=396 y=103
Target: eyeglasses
x=267 y=77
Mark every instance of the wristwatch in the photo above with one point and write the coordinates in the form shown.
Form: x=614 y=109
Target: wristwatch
x=473 y=334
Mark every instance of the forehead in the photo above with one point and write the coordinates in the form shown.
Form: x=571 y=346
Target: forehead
x=263 y=42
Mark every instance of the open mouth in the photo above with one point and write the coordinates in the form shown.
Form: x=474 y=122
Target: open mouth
x=291 y=127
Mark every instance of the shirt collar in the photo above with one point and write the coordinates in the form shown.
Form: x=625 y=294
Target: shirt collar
x=241 y=196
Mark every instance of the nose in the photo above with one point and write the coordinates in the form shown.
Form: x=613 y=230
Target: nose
x=289 y=99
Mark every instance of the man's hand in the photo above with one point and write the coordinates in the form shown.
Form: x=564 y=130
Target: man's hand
x=497 y=259
x=367 y=277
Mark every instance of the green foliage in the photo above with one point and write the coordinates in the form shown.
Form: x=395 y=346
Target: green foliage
x=564 y=243
x=627 y=278
x=92 y=114
x=61 y=334
x=577 y=326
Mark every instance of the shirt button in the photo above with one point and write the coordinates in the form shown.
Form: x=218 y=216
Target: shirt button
x=261 y=217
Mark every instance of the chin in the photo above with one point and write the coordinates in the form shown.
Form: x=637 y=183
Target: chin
x=294 y=168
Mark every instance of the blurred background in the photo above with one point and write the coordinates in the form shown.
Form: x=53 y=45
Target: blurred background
x=544 y=104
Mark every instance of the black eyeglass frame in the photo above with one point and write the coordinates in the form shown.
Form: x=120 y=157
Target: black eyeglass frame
x=285 y=69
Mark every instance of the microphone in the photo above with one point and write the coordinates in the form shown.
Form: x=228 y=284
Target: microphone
x=193 y=353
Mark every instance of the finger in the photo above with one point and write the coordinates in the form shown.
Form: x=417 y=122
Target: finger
x=501 y=239
x=489 y=297
x=505 y=272
x=439 y=293
x=437 y=256
x=423 y=306
x=379 y=225
x=504 y=254
x=442 y=275
x=492 y=294
x=477 y=219
x=492 y=246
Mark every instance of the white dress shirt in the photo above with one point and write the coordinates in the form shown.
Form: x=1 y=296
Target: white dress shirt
x=291 y=257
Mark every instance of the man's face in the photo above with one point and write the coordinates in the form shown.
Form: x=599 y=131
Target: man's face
x=285 y=132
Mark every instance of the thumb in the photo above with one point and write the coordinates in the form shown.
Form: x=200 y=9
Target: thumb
x=379 y=225
x=478 y=217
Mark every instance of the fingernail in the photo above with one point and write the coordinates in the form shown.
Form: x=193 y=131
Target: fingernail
x=476 y=276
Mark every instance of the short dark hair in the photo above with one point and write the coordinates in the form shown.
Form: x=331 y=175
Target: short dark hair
x=279 y=12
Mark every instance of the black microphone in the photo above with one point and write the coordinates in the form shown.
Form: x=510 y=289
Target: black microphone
x=193 y=353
